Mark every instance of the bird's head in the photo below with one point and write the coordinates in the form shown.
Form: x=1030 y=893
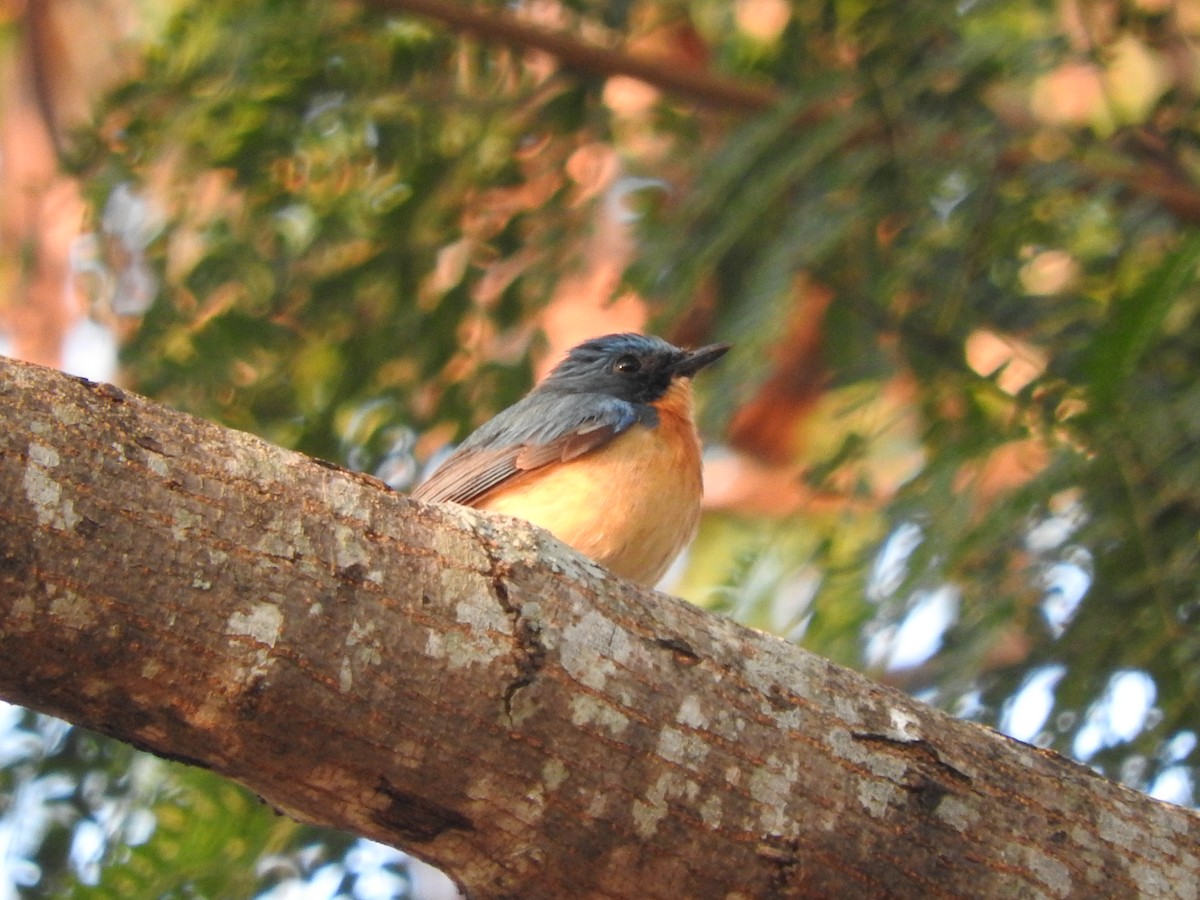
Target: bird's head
x=637 y=368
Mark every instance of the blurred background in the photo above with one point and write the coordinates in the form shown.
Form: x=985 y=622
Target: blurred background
x=955 y=246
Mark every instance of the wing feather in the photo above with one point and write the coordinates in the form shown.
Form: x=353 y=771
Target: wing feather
x=539 y=430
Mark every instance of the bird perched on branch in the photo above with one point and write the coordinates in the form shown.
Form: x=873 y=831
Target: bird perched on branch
x=603 y=454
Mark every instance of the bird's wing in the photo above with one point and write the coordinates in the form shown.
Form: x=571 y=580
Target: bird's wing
x=541 y=429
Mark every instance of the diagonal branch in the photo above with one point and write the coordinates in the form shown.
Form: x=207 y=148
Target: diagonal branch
x=469 y=689
x=581 y=56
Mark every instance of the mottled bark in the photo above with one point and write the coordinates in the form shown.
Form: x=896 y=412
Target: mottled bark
x=473 y=691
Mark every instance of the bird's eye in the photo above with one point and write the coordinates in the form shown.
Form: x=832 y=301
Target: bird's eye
x=627 y=365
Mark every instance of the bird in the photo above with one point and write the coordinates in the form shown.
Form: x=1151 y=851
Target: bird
x=603 y=453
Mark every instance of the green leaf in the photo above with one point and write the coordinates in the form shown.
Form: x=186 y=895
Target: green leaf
x=1135 y=322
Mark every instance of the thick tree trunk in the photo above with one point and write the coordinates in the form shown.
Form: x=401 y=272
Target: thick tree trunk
x=473 y=691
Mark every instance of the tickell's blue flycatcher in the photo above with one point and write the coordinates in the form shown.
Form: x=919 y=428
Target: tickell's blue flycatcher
x=603 y=454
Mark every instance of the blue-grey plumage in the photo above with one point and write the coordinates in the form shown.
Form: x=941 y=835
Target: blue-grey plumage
x=603 y=453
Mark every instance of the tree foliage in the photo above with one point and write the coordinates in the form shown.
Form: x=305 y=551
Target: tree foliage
x=955 y=253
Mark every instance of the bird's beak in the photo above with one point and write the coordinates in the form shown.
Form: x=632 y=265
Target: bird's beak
x=695 y=360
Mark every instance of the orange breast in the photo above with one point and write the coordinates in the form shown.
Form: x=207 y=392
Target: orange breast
x=631 y=505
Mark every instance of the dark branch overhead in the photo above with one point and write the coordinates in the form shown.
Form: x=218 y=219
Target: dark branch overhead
x=580 y=56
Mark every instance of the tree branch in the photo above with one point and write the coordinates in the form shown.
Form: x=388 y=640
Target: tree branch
x=470 y=689
x=580 y=56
